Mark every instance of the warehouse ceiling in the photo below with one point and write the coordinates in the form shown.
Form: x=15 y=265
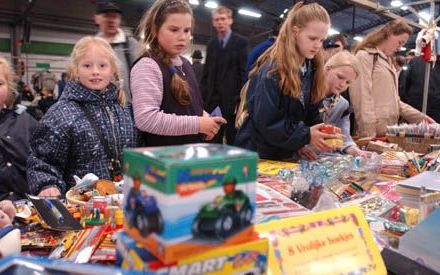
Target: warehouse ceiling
x=76 y=15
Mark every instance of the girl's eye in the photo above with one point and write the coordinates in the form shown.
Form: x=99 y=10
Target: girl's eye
x=187 y=30
x=103 y=65
x=86 y=65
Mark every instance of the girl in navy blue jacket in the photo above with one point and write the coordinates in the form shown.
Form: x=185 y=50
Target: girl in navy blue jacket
x=87 y=129
x=286 y=88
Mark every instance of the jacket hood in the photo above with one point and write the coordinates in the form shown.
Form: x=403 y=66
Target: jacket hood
x=74 y=91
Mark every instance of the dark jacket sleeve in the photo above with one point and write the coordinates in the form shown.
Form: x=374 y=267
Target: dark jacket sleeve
x=313 y=115
x=204 y=83
x=242 y=59
x=271 y=122
x=49 y=155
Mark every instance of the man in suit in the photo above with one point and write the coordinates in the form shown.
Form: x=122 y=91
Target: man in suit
x=224 y=71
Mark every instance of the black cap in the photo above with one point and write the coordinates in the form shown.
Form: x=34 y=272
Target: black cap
x=329 y=44
x=197 y=54
x=107 y=6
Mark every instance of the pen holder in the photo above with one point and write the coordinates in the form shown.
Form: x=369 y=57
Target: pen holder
x=417 y=143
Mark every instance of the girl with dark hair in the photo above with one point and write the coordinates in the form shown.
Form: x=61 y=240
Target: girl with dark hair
x=167 y=104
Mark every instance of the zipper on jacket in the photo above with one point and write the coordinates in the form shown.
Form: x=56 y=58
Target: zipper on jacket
x=110 y=116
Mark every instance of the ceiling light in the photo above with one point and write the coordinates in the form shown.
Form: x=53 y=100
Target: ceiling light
x=211 y=4
x=249 y=13
x=403 y=48
x=358 y=38
x=194 y=2
x=282 y=15
x=405 y=68
x=333 y=32
x=396 y=3
x=404 y=8
x=286 y=10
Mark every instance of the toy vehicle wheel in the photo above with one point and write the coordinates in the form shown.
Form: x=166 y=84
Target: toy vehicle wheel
x=224 y=224
x=142 y=225
x=130 y=221
x=246 y=215
x=195 y=226
x=155 y=223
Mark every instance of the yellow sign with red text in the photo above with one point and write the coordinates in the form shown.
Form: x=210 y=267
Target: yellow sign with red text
x=337 y=241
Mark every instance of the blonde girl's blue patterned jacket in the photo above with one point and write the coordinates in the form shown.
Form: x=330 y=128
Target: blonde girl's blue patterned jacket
x=65 y=143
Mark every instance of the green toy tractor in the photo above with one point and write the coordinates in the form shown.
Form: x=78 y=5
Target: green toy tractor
x=225 y=215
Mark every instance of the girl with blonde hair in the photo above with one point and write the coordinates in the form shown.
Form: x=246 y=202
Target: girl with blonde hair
x=286 y=87
x=340 y=71
x=16 y=127
x=374 y=95
x=167 y=105
x=87 y=129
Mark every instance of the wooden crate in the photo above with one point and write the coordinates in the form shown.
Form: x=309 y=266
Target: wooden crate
x=419 y=144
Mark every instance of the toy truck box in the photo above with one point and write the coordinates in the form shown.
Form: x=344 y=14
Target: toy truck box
x=183 y=200
x=246 y=258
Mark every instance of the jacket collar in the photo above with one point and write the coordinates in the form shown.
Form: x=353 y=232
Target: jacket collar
x=387 y=60
x=74 y=91
x=118 y=38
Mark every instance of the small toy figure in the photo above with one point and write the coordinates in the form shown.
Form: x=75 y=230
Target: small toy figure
x=9 y=237
x=98 y=213
x=142 y=211
x=225 y=215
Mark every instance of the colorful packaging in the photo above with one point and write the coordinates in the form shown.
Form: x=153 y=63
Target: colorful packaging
x=245 y=258
x=184 y=200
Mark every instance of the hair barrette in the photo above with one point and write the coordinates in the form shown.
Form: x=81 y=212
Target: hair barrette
x=172 y=70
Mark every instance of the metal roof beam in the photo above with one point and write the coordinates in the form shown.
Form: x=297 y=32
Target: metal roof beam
x=376 y=7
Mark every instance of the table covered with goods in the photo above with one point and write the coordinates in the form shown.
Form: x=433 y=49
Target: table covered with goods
x=217 y=209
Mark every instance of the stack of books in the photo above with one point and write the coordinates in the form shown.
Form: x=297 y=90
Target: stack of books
x=411 y=189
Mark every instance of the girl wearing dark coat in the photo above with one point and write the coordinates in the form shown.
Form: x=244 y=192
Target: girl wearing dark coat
x=286 y=87
x=16 y=127
x=87 y=129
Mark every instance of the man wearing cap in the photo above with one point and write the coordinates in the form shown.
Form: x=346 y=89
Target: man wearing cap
x=333 y=45
x=224 y=71
x=108 y=18
x=197 y=65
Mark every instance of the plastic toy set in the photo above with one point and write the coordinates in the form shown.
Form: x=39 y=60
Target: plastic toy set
x=246 y=258
x=183 y=200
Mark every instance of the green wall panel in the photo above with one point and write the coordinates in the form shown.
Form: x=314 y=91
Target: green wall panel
x=39 y=47
x=5 y=45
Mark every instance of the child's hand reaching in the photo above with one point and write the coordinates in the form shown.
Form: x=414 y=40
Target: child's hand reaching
x=210 y=126
x=50 y=192
x=317 y=138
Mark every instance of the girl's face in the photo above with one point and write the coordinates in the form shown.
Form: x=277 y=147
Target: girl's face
x=94 y=69
x=309 y=39
x=394 y=43
x=174 y=34
x=3 y=88
x=339 y=78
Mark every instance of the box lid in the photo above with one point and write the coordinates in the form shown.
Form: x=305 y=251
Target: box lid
x=198 y=152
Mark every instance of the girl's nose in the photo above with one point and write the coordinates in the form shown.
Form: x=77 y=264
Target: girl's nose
x=95 y=70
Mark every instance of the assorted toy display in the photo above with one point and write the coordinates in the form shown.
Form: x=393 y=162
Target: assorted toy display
x=184 y=208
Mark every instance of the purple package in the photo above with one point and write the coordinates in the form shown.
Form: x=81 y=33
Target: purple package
x=216 y=112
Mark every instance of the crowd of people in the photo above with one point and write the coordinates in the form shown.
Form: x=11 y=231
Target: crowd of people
x=120 y=93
